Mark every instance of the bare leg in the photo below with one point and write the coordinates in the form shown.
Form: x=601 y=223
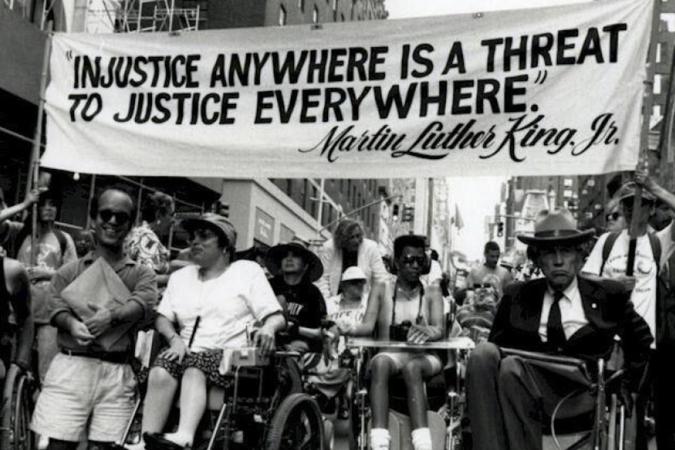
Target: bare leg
x=382 y=369
x=158 y=400
x=413 y=374
x=192 y=406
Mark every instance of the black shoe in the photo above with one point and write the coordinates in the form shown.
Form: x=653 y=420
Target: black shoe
x=156 y=441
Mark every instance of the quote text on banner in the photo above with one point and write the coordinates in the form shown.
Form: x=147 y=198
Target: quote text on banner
x=554 y=90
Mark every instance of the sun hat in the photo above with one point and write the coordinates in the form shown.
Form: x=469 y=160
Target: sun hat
x=556 y=228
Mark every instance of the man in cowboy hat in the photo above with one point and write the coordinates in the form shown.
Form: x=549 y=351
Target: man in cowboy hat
x=510 y=399
x=295 y=268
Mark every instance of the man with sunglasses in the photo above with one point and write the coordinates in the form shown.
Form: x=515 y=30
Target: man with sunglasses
x=652 y=287
x=89 y=390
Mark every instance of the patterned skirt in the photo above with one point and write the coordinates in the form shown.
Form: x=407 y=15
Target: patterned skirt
x=207 y=362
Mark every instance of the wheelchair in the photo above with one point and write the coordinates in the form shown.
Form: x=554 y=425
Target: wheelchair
x=17 y=404
x=264 y=407
x=607 y=425
x=445 y=400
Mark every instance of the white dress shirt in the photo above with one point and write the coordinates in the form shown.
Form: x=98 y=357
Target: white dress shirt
x=572 y=313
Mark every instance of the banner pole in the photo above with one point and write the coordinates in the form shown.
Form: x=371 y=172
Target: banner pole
x=33 y=178
x=647 y=105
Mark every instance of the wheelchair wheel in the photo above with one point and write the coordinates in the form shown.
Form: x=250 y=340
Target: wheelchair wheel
x=17 y=410
x=297 y=425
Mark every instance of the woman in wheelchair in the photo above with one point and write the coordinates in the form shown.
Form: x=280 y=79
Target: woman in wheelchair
x=211 y=304
x=402 y=311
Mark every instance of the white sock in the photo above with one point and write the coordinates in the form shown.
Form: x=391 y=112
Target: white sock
x=421 y=439
x=379 y=439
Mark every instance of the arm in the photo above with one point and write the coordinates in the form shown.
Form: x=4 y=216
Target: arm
x=21 y=303
x=31 y=198
x=642 y=178
x=636 y=339
x=367 y=326
x=432 y=331
x=177 y=348
x=61 y=314
x=138 y=307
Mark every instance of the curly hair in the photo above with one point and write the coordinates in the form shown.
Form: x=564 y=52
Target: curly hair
x=344 y=230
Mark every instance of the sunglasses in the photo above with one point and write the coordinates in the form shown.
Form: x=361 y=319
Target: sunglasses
x=410 y=260
x=613 y=216
x=121 y=217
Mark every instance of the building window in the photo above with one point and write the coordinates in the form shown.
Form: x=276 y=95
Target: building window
x=301 y=5
x=282 y=15
x=315 y=15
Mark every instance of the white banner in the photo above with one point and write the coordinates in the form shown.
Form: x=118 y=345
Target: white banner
x=546 y=91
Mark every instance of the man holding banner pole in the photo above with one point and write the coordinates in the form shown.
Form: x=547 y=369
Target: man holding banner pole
x=643 y=261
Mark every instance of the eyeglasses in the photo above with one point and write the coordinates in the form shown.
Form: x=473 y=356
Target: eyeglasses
x=410 y=260
x=121 y=217
x=613 y=216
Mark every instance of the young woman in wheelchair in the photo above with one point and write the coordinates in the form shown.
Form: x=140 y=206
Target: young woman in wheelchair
x=210 y=304
x=400 y=310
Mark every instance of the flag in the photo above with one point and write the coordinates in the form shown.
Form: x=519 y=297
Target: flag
x=459 y=223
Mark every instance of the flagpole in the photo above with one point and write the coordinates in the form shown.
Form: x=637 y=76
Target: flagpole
x=647 y=105
x=34 y=172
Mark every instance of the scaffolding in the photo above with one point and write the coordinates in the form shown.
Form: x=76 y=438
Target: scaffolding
x=139 y=16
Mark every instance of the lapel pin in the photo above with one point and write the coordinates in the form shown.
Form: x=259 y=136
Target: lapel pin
x=594 y=305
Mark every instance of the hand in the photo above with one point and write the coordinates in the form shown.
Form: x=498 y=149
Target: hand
x=643 y=179
x=419 y=334
x=626 y=399
x=32 y=197
x=176 y=351
x=100 y=322
x=39 y=273
x=345 y=327
x=21 y=366
x=80 y=332
x=264 y=340
x=628 y=282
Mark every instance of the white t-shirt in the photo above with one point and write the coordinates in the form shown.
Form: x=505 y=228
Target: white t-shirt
x=646 y=270
x=227 y=304
x=340 y=315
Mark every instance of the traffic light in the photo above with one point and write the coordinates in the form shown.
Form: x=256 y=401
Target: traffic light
x=222 y=208
x=408 y=214
x=394 y=211
x=500 y=229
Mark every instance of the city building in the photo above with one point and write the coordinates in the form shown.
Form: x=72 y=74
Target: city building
x=264 y=211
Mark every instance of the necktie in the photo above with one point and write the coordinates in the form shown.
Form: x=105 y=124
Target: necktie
x=554 y=328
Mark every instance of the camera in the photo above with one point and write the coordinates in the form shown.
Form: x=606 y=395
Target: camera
x=400 y=332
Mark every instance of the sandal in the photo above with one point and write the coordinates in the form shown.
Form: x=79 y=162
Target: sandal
x=157 y=441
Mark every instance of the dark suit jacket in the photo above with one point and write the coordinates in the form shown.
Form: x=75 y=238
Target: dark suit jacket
x=609 y=312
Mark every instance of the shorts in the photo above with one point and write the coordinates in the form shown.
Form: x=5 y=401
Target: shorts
x=208 y=362
x=85 y=398
x=400 y=359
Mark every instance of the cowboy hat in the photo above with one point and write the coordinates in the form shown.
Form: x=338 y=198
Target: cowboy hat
x=556 y=228
x=279 y=252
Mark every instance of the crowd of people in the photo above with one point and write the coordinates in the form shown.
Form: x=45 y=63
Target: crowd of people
x=78 y=304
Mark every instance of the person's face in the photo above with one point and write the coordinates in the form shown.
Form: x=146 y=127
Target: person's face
x=204 y=248
x=292 y=263
x=354 y=239
x=559 y=264
x=410 y=264
x=660 y=218
x=615 y=220
x=645 y=212
x=47 y=211
x=492 y=258
x=353 y=289
x=113 y=218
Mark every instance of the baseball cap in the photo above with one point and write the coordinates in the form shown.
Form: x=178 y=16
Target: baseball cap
x=353 y=273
